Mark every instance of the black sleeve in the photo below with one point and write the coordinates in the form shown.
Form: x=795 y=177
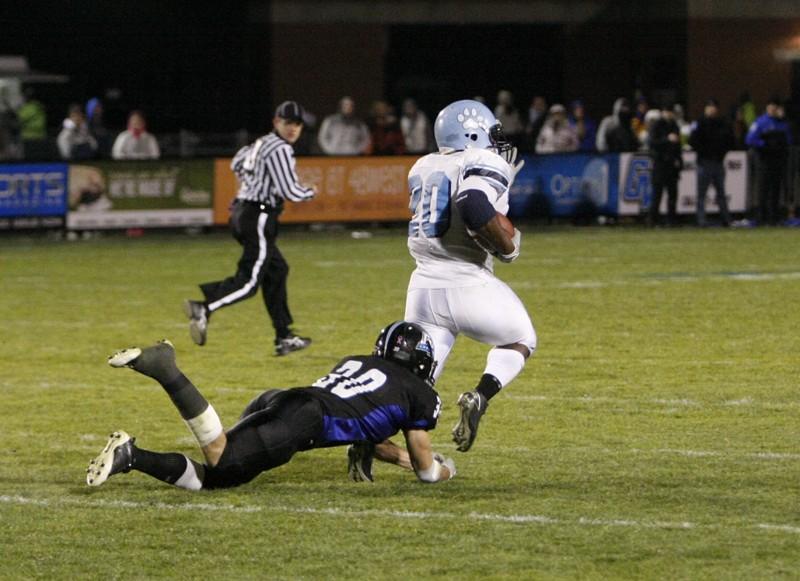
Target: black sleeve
x=475 y=209
x=425 y=408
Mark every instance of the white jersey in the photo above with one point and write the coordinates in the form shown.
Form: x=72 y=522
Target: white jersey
x=445 y=253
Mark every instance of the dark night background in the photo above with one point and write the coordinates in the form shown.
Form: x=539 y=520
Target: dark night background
x=223 y=66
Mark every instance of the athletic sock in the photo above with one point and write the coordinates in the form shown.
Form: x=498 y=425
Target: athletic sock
x=186 y=397
x=172 y=468
x=199 y=415
x=504 y=364
x=489 y=386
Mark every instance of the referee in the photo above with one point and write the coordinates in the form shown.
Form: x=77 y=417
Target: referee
x=266 y=173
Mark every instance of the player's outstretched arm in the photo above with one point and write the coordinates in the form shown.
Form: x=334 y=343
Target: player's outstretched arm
x=389 y=452
x=428 y=466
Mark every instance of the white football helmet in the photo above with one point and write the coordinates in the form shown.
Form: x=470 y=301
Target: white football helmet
x=468 y=124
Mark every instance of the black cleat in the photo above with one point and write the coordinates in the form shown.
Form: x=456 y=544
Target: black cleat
x=359 y=461
x=473 y=406
x=198 y=320
x=291 y=343
x=157 y=361
x=116 y=457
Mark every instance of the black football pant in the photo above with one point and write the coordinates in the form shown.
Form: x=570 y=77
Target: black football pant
x=663 y=178
x=255 y=227
x=274 y=427
x=769 y=190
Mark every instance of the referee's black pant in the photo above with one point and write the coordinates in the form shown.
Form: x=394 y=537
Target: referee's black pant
x=255 y=227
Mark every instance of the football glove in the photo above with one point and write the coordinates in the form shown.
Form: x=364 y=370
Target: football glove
x=514 y=254
x=448 y=462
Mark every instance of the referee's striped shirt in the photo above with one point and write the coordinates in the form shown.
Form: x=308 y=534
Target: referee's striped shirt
x=266 y=172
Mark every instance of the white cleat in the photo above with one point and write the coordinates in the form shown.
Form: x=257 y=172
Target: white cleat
x=116 y=457
x=124 y=357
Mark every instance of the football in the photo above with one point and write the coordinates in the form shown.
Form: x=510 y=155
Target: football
x=506 y=224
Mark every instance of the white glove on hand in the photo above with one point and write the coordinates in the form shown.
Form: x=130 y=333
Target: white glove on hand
x=512 y=256
x=447 y=462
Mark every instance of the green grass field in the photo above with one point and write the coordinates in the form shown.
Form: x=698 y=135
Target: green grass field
x=654 y=435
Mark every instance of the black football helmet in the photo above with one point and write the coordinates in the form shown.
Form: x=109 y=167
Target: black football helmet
x=408 y=345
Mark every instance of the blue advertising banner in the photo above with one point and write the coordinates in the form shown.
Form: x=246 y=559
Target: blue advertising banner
x=33 y=190
x=561 y=185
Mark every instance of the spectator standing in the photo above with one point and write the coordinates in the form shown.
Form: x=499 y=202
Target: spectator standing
x=665 y=147
x=683 y=125
x=537 y=114
x=416 y=128
x=770 y=137
x=95 y=118
x=386 y=138
x=711 y=137
x=343 y=133
x=615 y=133
x=136 y=142
x=744 y=115
x=32 y=117
x=33 y=126
x=585 y=127
x=75 y=141
x=557 y=135
x=638 y=122
x=508 y=115
x=650 y=119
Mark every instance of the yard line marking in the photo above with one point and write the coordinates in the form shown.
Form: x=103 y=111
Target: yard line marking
x=783 y=528
x=766 y=455
x=746 y=401
x=333 y=511
x=649 y=280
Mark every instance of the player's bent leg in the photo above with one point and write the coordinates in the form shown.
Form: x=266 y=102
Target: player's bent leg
x=116 y=457
x=503 y=322
x=428 y=308
x=200 y=417
x=261 y=402
x=156 y=361
x=120 y=455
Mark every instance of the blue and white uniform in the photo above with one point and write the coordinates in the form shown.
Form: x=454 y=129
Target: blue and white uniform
x=453 y=289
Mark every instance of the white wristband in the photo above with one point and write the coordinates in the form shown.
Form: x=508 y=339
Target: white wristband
x=432 y=473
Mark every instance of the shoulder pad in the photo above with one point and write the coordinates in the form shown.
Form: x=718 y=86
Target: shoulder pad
x=488 y=165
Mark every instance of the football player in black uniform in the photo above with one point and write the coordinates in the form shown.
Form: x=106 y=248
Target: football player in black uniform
x=365 y=398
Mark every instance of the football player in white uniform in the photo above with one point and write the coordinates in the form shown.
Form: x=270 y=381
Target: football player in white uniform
x=459 y=198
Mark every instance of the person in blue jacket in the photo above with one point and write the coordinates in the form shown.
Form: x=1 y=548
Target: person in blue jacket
x=770 y=137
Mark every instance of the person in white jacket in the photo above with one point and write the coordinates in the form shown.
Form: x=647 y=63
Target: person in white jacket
x=136 y=142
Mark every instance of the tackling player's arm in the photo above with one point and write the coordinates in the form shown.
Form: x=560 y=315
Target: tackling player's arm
x=428 y=466
x=388 y=451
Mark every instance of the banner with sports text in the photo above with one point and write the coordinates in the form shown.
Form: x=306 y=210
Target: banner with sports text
x=33 y=195
x=349 y=189
x=140 y=194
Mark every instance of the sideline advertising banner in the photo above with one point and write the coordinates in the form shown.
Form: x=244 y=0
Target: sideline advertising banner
x=140 y=194
x=559 y=184
x=33 y=195
x=349 y=189
x=636 y=190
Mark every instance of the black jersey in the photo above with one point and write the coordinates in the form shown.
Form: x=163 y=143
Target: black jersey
x=370 y=398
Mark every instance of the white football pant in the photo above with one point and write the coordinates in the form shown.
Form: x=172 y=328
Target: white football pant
x=490 y=313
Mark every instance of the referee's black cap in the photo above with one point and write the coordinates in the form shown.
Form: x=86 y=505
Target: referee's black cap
x=290 y=110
